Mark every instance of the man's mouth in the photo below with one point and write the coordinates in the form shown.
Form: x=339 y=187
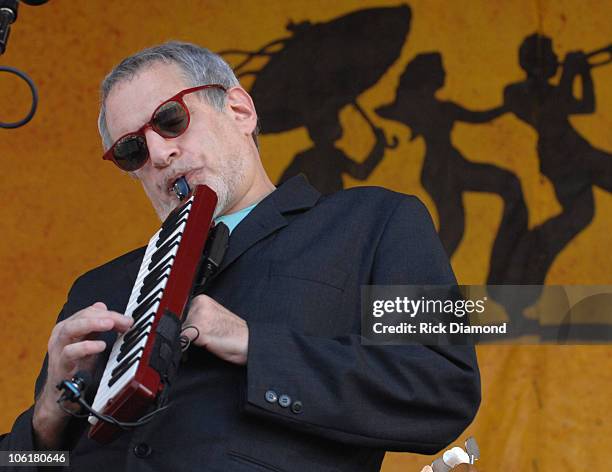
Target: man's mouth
x=172 y=181
x=181 y=188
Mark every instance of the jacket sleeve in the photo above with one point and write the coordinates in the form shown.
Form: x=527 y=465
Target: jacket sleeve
x=402 y=397
x=20 y=438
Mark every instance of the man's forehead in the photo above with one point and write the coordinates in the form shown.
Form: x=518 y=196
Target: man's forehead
x=131 y=101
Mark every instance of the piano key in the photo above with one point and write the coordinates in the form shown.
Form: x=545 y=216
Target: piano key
x=129 y=337
x=120 y=366
x=166 y=232
x=171 y=220
x=106 y=393
x=133 y=303
x=156 y=272
x=137 y=330
x=175 y=215
x=136 y=292
x=119 y=374
x=159 y=286
x=148 y=317
x=162 y=251
x=178 y=232
x=127 y=347
x=152 y=249
x=148 y=287
x=146 y=305
x=169 y=259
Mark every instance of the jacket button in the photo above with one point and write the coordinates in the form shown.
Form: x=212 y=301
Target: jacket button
x=271 y=396
x=297 y=407
x=284 y=401
x=142 y=450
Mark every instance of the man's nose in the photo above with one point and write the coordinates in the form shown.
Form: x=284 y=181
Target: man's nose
x=162 y=151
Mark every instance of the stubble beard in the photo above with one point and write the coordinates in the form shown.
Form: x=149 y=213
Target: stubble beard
x=226 y=184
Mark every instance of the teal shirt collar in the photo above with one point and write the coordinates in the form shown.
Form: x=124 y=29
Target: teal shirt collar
x=232 y=219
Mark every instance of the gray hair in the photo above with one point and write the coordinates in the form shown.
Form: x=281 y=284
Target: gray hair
x=199 y=66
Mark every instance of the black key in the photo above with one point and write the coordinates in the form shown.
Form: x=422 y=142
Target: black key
x=171 y=221
x=135 y=331
x=163 y=250
x=155 y=274
x=137 y=325
x=146 y=305
x=146 y=289
x=127 y=347
x=166 y=232
x=166 y=262
x=141 y=323
x=126 y=361
x=130 y=337
x=161 y=267
x=175 y=215
x=120 y=373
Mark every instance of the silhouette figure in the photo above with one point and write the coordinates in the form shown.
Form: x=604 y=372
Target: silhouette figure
x=568 y=160
x=446 y=174
x=324 y=163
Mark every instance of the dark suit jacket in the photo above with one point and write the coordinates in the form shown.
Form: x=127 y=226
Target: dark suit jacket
x=293 y=271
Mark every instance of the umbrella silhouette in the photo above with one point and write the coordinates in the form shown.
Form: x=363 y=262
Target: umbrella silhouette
x=323 y=66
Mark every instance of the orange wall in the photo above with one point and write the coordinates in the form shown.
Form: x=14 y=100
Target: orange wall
x=65 y=211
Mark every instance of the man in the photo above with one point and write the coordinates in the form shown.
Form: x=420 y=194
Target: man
x=278 y=378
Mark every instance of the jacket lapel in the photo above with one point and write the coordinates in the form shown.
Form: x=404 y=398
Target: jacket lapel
x=268 y=216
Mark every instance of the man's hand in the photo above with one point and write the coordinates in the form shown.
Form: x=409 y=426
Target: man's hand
x=221 y=332
x=577 y=61
x=71 y=348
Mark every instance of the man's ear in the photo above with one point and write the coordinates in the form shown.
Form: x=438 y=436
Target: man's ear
x=240 y=106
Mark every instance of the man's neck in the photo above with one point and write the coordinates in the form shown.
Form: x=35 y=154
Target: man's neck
x=255 y=194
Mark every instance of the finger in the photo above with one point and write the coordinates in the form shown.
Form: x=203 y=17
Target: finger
x=190 y=331
x=74 y=352
x=79 y=327
x=95 y=311
x=99 y=306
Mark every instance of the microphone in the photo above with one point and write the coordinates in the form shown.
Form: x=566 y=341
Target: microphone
x=8 y=15
x=75 y=388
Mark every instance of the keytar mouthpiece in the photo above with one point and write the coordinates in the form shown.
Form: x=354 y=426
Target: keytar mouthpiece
x=181 y=188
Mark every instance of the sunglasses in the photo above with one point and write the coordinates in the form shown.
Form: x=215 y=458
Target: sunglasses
x=169 y=120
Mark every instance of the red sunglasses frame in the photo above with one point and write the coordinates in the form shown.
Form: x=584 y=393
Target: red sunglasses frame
x=110 y=155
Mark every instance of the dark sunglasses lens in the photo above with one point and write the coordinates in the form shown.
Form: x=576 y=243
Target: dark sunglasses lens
x=131 y=152
x=170 y=119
